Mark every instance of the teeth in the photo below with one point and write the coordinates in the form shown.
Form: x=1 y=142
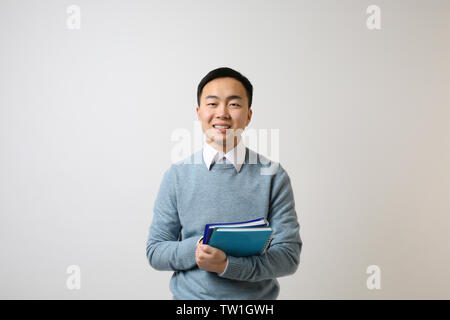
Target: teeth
x=221 y=127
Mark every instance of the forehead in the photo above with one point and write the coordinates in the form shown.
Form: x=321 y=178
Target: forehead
x=223 y=87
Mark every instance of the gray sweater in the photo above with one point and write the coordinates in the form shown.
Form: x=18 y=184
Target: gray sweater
x=191 y=196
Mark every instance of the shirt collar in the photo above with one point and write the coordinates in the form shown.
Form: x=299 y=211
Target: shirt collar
x=236 y=155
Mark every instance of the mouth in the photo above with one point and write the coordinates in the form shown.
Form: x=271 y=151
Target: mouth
x=221 y=129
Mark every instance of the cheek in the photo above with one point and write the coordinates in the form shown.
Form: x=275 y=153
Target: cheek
x=241 y=121
x=205 y=118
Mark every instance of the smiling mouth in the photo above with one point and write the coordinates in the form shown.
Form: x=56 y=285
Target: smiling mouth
x=221 y=129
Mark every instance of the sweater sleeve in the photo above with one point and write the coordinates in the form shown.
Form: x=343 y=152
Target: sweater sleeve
x=283 y=256
x=164 y=250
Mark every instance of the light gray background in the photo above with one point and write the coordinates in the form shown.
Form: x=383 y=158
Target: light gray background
x=87 y=116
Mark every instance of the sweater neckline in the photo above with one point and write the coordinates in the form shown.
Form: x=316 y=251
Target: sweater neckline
x=224 y=166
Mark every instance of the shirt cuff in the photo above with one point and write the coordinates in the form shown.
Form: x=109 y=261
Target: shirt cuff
x=226 y=267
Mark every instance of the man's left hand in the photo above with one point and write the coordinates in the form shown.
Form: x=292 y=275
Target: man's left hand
x=210 y=259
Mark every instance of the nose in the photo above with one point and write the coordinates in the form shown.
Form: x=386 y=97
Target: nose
x=222 y=111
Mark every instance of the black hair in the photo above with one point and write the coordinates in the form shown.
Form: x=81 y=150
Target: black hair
x=223 y=73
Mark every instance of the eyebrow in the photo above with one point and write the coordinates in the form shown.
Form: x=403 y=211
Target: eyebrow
x=228 y=98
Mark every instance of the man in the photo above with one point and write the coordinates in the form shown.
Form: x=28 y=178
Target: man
x=225 y=185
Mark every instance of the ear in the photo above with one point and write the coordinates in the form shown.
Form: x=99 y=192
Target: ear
x=249 y=117
x=197 y=109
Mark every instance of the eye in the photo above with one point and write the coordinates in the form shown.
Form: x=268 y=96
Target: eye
x=211 y=104
x=235 y=104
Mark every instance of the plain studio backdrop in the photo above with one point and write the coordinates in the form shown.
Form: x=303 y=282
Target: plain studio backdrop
x=87 y=117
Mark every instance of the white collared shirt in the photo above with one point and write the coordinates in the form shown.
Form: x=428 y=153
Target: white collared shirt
x=236 y=156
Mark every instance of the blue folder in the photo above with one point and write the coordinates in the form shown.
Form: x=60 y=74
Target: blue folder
x=241 y=242
x=260 y=222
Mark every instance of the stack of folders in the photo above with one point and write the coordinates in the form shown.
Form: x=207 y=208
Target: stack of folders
x=239 y=239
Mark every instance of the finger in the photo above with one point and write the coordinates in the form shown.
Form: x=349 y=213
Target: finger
x=206 y=248
x=214 y=252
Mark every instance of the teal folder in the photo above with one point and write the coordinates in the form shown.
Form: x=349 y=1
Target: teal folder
x=210 y=227
x=241 y=242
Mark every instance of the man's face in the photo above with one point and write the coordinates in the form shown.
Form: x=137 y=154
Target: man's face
x=223 y=102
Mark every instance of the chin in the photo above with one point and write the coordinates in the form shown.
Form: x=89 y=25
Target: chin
x=223 y=141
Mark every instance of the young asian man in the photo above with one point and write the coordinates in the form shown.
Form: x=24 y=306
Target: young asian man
x=226 y=185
